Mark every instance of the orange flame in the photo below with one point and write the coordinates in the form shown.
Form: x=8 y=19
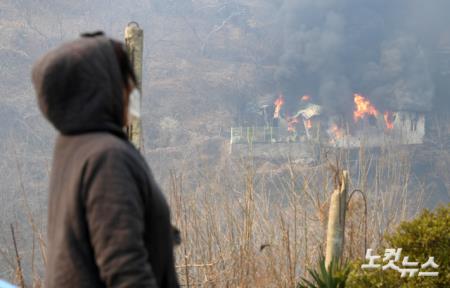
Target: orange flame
x=337 y=132
x=308 y=123
x=388 y=119
x=305 y=98
x=278 y=104
x=291 y=124
x=363 y=107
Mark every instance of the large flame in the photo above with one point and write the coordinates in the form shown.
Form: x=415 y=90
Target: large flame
x=388 y=119
x=278 y=104
x=363 y=107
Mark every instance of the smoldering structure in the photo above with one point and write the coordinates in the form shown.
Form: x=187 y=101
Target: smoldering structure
x=355 y=73
x=314 y=124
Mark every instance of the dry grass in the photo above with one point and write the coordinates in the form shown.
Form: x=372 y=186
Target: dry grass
x=244 y=229
x=243 y=226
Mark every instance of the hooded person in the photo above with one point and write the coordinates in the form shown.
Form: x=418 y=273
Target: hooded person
x=108 y=222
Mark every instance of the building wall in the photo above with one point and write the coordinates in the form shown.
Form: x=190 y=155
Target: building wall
x=410 y=127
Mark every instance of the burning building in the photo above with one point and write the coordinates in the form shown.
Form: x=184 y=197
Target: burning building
x=311 y=124
x=363 y=82
x=279 y=126
x=372 y=127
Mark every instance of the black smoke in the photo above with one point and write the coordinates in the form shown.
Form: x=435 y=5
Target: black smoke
x=384 y=49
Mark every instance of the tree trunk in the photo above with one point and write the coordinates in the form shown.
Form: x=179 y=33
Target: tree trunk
x=336 y=221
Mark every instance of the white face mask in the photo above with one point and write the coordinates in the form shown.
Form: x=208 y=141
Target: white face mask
x=134 y=107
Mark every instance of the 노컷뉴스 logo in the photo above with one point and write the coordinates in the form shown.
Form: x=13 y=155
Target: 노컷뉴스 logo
x=392 y=256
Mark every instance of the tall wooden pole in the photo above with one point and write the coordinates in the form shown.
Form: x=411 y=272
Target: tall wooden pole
x=336 y=221
x=134 y=41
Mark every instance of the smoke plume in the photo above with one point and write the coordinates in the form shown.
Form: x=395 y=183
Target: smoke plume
x=382 y=49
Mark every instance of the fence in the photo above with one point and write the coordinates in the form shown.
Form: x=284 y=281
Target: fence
x=250 y=135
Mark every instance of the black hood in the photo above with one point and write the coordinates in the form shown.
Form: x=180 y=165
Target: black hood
x=79 y=87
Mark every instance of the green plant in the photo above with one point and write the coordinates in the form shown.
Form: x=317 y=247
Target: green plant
x=334 y=277
x=425 y=236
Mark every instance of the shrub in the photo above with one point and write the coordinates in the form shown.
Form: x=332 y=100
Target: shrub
x=425 y=236
x=334 y=277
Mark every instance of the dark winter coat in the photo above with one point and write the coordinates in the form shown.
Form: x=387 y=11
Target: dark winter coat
x=108 y=222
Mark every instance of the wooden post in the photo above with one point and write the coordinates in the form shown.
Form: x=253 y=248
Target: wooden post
x=336 y=221
x=134 y=41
